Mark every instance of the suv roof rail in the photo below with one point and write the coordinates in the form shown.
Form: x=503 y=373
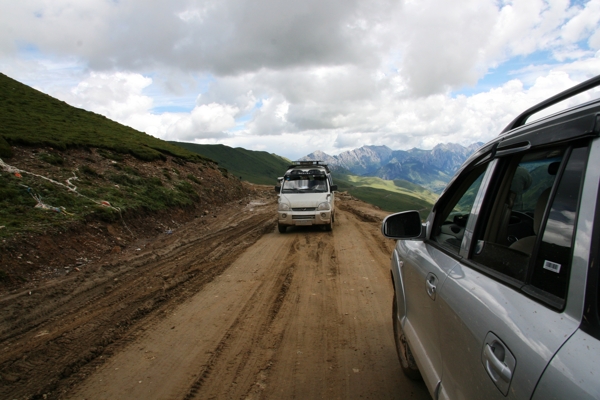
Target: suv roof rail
x=575 y=90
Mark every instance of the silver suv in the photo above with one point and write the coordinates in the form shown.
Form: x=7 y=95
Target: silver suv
x=496 y=294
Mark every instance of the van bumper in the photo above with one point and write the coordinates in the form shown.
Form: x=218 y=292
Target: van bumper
x=295 y=218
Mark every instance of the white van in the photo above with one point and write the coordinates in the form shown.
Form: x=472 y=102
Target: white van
x=306 y=196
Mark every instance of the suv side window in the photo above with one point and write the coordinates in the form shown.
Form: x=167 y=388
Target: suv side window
x=515 y=213
x=451 y=220
x=529 y=221
x=552 y=265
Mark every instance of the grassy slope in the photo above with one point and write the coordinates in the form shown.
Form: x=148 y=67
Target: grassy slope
x=391 y=196
x=253 y=166
x=32 y=118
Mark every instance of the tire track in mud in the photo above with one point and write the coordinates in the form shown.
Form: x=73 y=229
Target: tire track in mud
x=371 y=235
x=89 y=325
x=250 y=333
x=304 y=325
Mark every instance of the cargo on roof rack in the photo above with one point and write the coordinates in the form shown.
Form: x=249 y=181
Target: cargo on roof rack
x=309 y=163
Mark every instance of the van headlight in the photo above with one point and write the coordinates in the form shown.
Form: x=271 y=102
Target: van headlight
x=284 y=207
x=324 y=206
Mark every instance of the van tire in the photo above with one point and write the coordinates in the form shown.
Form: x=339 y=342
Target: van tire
x=282 y=228
x=328 y=228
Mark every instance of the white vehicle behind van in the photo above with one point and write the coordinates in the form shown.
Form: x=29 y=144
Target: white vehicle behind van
x=306 y=196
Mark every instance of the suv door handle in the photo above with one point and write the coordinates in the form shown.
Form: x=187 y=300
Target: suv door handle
x=431 y=284
x=495 y=365
x=498 y=361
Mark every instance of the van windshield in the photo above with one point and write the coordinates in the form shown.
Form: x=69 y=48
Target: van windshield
x=304 y=184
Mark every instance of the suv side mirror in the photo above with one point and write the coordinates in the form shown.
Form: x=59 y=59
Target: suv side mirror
x=278 y=189
x=403 y=225
x=333 y=188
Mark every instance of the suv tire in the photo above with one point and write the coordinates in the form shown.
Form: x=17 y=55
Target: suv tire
x=407 y=361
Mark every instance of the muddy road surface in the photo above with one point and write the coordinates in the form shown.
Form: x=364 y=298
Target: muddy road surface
x=223 y=308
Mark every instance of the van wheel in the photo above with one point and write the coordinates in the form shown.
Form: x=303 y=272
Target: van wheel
x=328 y=228
x=282 y=228
x=407 y=361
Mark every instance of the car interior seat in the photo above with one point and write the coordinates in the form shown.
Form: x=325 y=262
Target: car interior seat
x=526 y=244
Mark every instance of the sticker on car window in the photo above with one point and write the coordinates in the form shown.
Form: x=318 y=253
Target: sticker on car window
x=552 y=266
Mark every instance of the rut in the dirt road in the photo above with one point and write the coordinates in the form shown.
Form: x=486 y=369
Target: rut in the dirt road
x=266 y=300
x=74 y=326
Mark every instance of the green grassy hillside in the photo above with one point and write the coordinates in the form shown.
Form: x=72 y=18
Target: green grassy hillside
x=61 y=165
x=31 y=118
x=253 y=166
x=391 y=196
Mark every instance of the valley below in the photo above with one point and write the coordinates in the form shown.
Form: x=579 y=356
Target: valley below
x=223 y=307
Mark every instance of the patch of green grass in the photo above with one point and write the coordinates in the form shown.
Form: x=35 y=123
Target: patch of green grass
x=130 y=170
x=19 y=214
x=5 y=150
x=111 y=155
x=253 y=166
x=194 y=179
x=51 y=158
x=87 y=170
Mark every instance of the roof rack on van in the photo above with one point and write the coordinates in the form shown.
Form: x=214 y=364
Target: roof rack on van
x=309 y=163
x=575 y=90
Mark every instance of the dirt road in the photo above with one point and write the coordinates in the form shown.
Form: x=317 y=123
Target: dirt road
x=224 y=308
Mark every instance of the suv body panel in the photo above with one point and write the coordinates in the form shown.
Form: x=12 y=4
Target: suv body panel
x=538 y=349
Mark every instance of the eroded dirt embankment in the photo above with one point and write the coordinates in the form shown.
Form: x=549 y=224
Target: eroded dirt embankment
x=224 y=307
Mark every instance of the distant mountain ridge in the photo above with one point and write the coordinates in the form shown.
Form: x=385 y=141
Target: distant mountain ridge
x=429 y=168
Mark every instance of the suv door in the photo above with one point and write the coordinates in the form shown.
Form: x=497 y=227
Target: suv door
x=424 y=267
x=503 y=308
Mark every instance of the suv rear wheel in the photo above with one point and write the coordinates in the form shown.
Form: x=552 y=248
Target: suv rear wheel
x=407 y=361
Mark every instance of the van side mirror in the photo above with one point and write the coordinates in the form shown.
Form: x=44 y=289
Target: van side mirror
x=278 y=189
x=403 y=225
x=333 y=188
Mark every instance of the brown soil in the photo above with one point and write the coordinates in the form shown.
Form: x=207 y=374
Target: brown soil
x=224 y=306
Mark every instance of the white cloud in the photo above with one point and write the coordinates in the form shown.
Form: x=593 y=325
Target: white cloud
x=205 y=121
x=117 y=95
x=292 y=77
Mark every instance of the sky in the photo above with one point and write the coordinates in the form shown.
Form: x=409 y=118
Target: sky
x=290 y=77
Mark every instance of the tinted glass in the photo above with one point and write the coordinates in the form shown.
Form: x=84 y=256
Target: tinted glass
x=553 y=260
x=515 y=210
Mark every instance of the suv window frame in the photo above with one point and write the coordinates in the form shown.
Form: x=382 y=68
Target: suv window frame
x=495 y=167
x=460 y=185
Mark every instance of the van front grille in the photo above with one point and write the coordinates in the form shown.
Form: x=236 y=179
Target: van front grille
x=303 y=217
